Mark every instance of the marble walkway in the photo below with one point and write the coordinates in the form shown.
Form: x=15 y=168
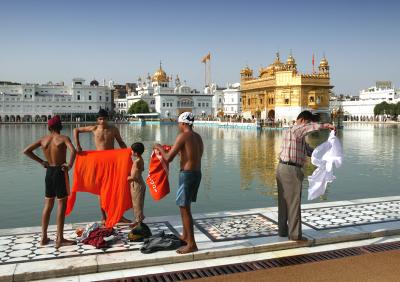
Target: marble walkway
x=219 y=235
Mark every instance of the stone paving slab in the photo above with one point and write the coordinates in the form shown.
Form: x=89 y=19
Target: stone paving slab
x=254 y=232
x=119 y=274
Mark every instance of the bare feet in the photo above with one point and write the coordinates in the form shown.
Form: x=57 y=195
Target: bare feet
x=64 y=242
x=44 y=241
x=183 y=240
x=187 y=249
x=124 y=220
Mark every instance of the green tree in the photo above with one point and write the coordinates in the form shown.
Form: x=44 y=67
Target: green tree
x=140 y=107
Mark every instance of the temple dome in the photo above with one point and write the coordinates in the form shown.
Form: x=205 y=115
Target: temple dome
x=290 y=61
x=160 y=76
x=246 y=71
x=94 y=82
x=324 y=62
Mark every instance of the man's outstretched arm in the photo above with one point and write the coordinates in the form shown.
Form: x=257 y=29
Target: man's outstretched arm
x=118 y=137
x=169 y=156
x=76 y=135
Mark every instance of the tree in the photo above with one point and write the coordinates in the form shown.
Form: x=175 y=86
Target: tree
x=140 y=107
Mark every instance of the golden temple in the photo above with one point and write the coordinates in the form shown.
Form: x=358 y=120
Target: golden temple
x=281 y=92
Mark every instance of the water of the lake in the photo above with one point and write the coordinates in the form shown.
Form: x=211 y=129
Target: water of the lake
x=238 y=169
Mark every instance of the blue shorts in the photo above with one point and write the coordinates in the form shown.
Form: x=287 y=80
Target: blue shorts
x=189 y=182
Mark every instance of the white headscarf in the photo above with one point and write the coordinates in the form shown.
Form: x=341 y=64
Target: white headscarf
x=186 y=117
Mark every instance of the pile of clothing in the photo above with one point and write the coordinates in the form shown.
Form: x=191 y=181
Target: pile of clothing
x=161 y=242
x=94 y=234
x=139 y=233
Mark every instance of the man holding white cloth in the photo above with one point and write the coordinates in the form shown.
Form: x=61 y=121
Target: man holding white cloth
x=289 y=174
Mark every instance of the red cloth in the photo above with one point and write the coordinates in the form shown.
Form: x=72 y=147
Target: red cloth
x=157 y=180
x=104 y=173
x=54 y=120
x=96 y=237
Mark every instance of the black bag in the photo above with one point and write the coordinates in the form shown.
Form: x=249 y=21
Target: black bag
x=139 y=233
x=161 y=242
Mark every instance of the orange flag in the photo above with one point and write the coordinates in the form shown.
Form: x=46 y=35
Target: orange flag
x=206 y=58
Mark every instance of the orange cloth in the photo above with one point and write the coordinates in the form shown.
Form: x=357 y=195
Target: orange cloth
x=157 y=180
x=104 y=173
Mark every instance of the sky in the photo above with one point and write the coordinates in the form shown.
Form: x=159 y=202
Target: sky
x=43 y=41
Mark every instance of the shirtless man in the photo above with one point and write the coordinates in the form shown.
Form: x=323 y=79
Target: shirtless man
x=104 y=135
x=54 y=147
x=190 y=146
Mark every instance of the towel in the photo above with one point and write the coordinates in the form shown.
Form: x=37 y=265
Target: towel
x=104 y=173
x=157 y=180
x=324 y=157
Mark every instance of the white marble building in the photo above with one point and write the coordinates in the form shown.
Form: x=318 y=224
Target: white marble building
x=217 y=100
x=121 y=105
x=226 y=101
x=363 y=106
x=167 y=98
x=232 y=100
x=34 y=102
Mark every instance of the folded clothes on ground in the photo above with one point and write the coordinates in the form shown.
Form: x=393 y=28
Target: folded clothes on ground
x=88 y=229
x=97 y=237
x=161 y=242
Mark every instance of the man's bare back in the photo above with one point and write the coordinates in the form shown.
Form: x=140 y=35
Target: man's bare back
x=54 y=147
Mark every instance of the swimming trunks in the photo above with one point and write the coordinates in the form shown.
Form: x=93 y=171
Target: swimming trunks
x=55 y=182
x=189 y=182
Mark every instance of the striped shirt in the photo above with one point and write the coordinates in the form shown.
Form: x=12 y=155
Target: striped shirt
x=293 y=148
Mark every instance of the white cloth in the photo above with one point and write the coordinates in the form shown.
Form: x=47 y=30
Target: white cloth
x=324 y=156
x=186 y=117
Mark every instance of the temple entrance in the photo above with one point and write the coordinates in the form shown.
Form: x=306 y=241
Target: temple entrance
x=271 y=115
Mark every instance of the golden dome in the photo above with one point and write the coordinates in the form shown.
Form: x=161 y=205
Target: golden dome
x=246 y=71
x=160 y=76
x=278 y=65
x=324 y=62
x=290 y=61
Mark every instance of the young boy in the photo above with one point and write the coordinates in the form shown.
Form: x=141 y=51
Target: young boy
x=138 y=186
x=54 y=147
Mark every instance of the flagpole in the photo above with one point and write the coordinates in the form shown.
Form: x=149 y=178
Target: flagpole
x=205 y=73
x=209 y=67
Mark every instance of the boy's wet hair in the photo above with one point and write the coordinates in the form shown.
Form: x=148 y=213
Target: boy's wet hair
x=138 y=148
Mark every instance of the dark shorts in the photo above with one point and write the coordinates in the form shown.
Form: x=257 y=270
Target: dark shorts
x=189 y=182
x=55 y=183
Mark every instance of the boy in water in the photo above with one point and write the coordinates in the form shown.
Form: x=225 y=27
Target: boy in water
x=138 y=186
x=104 y=136
x=54 y=147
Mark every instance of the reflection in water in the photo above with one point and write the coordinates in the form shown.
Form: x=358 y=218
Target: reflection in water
x=238 y=169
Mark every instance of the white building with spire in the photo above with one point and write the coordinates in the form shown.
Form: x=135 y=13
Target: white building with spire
x=169 y=98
